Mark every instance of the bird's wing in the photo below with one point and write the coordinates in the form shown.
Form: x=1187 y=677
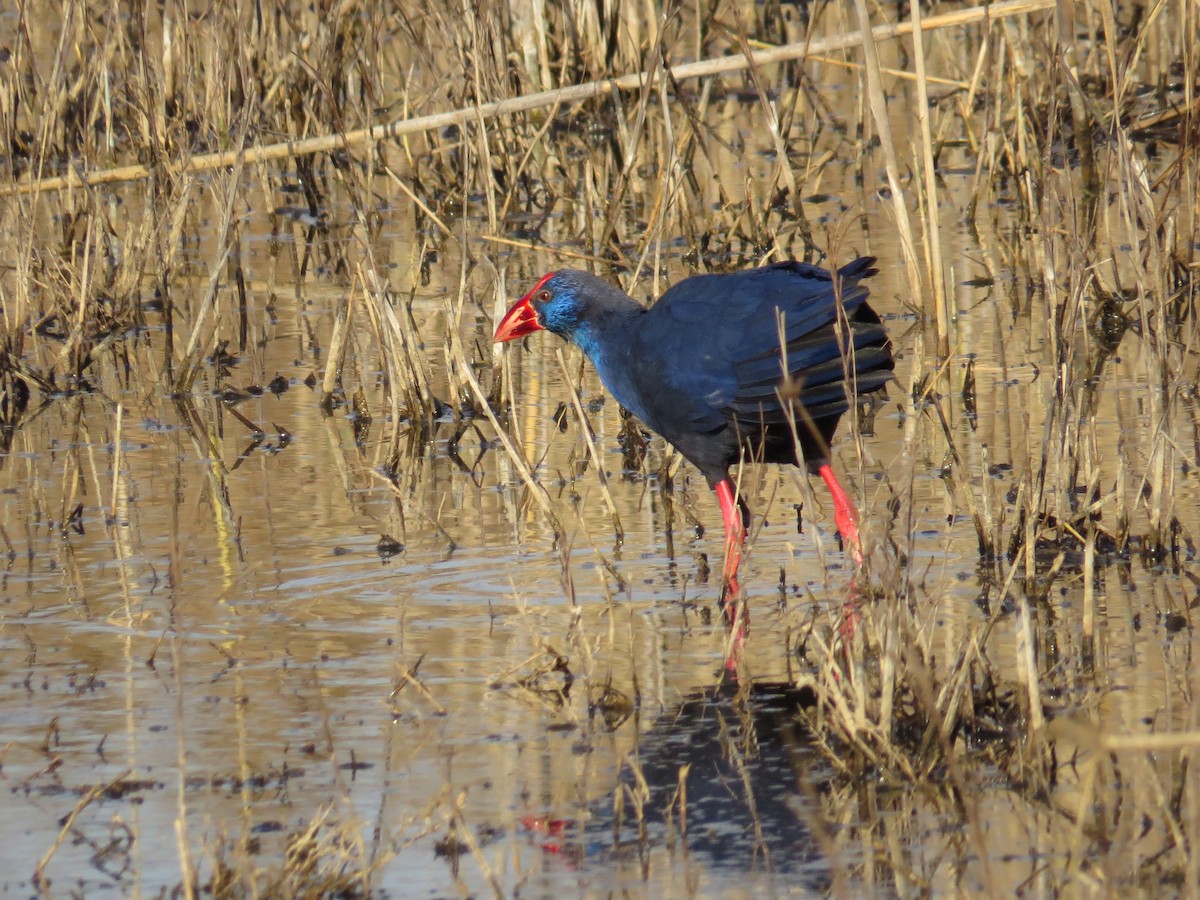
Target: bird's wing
x=684 y=377
x=711 y=352
x=747 y=327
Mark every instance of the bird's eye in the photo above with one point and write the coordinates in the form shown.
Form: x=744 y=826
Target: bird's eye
x=544 y=296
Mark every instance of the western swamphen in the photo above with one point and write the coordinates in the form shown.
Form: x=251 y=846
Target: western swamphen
x=705 y=366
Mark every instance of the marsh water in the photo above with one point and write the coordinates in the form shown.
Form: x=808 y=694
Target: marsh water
x=219 y=631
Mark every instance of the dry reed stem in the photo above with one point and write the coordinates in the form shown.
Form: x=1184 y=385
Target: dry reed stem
x=1084 y=734
x=1080 y=119
x=182 y=842
x=342 y=317
x=468 y=836
x=483 y=111
x=930 y=206
x=39 y=872
x=198 y=340
x=564 y=252
x=901 y=74
x=878 y=105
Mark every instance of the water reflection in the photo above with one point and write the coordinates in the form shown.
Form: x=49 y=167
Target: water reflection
x=723 y=782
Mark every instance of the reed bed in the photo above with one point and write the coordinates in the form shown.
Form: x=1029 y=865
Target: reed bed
x=1080 y=123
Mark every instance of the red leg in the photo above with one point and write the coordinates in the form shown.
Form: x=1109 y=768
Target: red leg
x=735 y=534
x=731 y=594
x=845 y=516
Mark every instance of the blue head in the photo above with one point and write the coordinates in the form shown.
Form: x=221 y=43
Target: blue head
x=572 y=304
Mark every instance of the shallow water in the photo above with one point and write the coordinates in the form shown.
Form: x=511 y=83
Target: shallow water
x=231 y=649
x=217 y=649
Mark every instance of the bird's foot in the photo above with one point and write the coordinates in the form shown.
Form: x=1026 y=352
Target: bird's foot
x=737 y=620
x=847 y=527
x=845 y=516
x=553 y=835
x=733 y=604
x=851 y=617
x=849 y=621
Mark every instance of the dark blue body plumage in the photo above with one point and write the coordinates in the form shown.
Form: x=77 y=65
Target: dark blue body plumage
x=704 y=366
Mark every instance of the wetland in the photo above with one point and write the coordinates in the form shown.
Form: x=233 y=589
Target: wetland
x=309 y=589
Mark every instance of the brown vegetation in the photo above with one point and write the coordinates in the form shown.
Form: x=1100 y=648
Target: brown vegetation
x=1080 y=125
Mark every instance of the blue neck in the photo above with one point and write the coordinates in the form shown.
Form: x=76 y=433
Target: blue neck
x=584 y=337
x=610 y=360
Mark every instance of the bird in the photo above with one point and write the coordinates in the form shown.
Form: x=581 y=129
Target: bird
x=756 y=365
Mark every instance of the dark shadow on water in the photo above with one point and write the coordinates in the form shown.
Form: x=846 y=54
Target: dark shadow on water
x=747 y=795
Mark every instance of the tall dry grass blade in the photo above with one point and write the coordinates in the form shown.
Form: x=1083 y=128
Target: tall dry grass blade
x=1027 y=666
x=188 y=365
x=593 y=89
x=783 y=164
x=878 y=104
x=338 y=340
x=930 y=206
x=1081 y=120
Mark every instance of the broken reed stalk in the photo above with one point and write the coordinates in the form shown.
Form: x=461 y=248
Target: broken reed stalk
x=571 y=94
x=118 y=426
x=68 y=823
x=342 y=315
x=1028 y=672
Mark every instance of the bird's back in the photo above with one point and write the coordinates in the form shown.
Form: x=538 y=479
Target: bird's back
x=706 y=365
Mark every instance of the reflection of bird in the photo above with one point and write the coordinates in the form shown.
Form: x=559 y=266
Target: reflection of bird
x=743 y=807
x=705 y=366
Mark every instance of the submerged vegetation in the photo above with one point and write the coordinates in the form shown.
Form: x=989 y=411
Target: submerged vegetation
x=1028 y=172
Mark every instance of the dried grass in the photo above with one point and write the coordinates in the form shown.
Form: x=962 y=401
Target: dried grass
x=1061 y=112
